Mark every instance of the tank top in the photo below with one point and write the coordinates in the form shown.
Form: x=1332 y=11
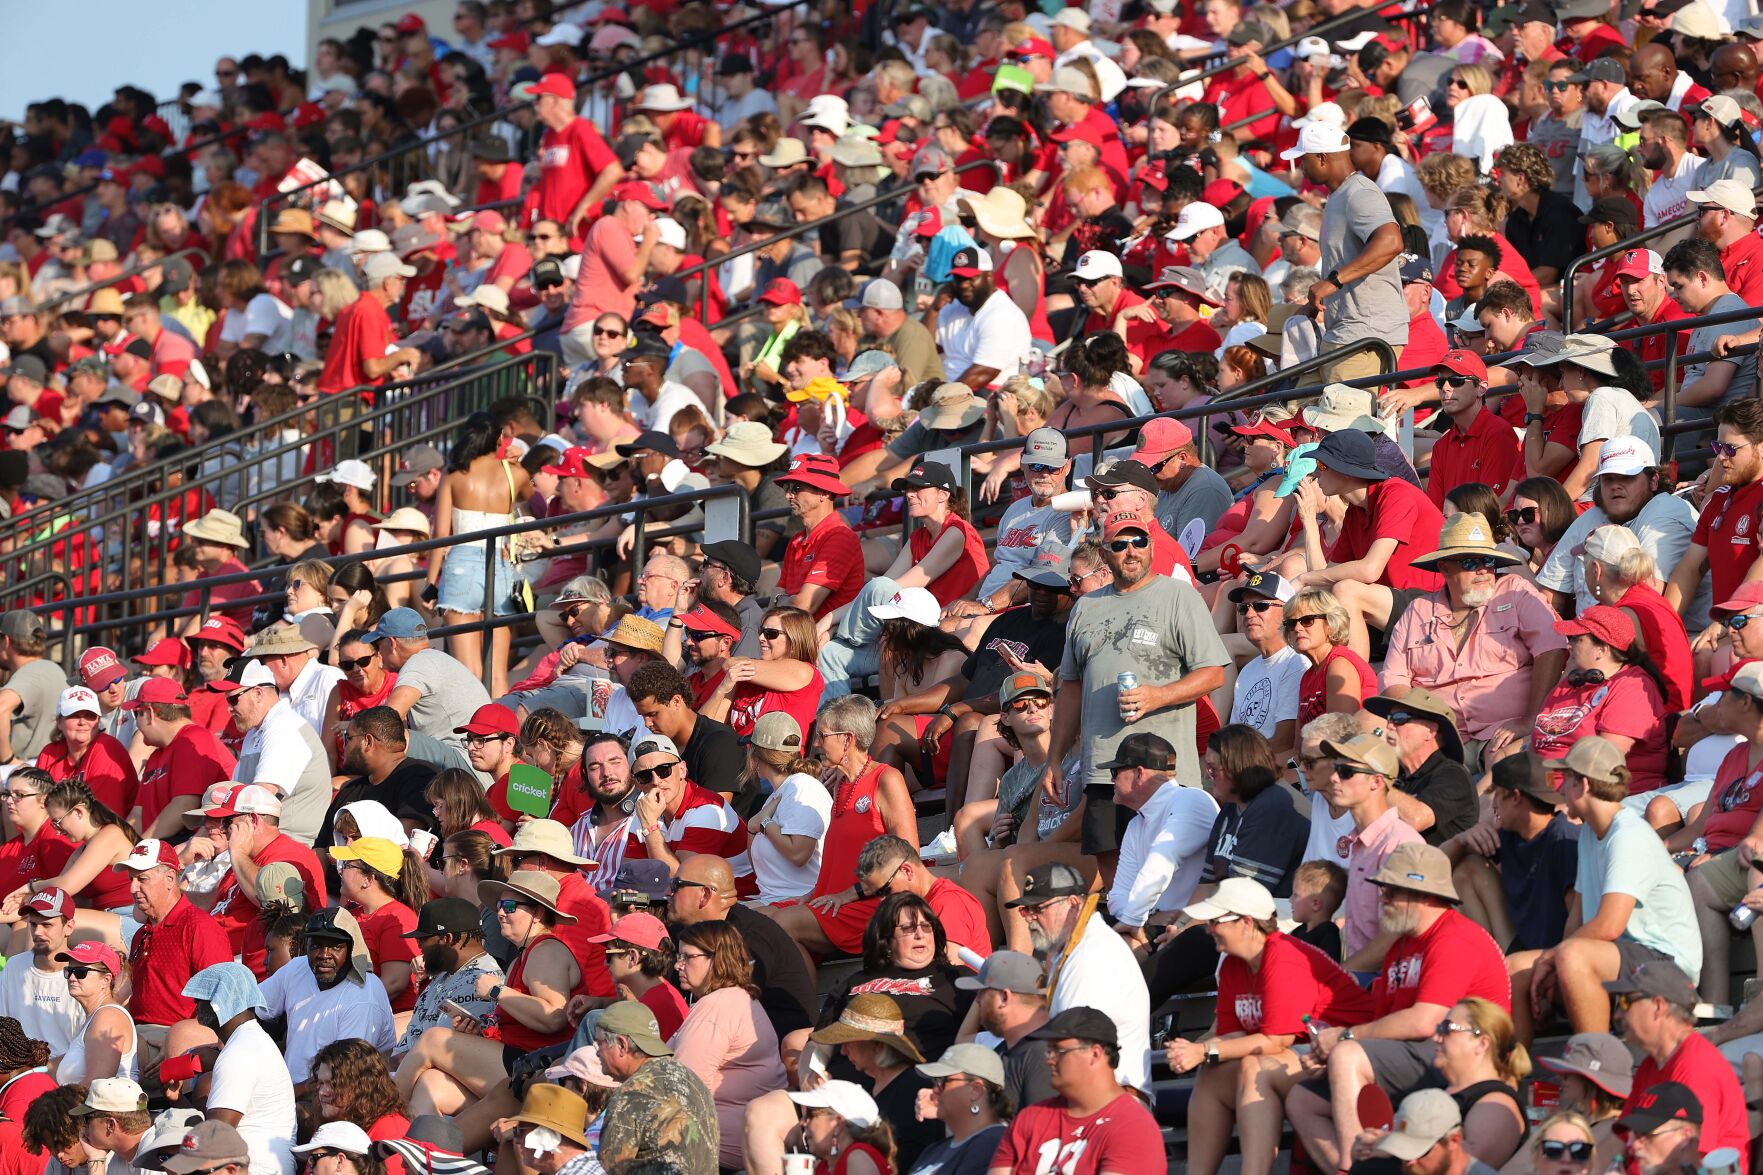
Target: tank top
x=351 y=701
x=518 y=1035
x=72 y=1069
x=1038 y=326
x=856 y=820
x=1313 y=686
x=107 y=891
x=1469 y=1095
x=748 y=701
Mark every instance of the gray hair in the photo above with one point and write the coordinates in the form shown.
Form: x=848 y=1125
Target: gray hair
x=884 y=850
x=588 y=587
x=852 y=714
x=1331 y=727
x=336 y=290
x=1295 y=286
x=939 y=91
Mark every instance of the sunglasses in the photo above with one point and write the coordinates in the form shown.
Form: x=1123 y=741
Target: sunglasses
x=1725 y=448
x=1738 y=623
x=644 y=775
x=1107 y=494
x=1452 y=381
x=1527 y=516
x=1400 y=718
x=1348 y=771
x=76 y=971
x=1041 y=470
x=772 y=634
x=1458 y=84
x=1579 y=1152
x=509 y=905
x=1296 y=621
x=1256 y=606
x=680 y=883
x=1447 y=1027
x=1024 y=705
x=351 y=664
x=1477 y=563
x=1559 y=87
x=601 y=332
x=1141 y=541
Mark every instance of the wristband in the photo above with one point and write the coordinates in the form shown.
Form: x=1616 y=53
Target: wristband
x=1334 y=277
x=947 y=711
x=1531 y=418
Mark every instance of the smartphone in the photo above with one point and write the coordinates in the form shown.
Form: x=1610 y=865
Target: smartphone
x=451 y=1007
x=182 y=1068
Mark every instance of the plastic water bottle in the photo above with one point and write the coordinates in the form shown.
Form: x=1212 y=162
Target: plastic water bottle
x=1123 y=683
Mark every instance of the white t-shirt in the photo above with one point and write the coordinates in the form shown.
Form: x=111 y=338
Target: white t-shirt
x=998 y=336
x=264 y=315
x=315 y=1018
x=1327 y=833
x=311 y=691
x=1162 y=854
x=804 y=808
x=38 y=1000
x=1668 y=195
x=1614 y=412
x=283 y=751
x=1102 y=973
x=1267 y=690
x=250 y=1079
x=669 y=399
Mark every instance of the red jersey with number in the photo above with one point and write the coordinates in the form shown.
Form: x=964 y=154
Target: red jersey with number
x=1728 y=529
x=1393 y=509
x=1295 y=980
x=1047 y=1139
x=192 y=762
x=828 y=555
x=1448 y=962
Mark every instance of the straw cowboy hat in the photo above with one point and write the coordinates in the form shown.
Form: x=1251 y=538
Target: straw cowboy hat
x=870 y=1017
x=407 y=518
x=219 y=526
x=1466 y=534
x=1001 y=212
x=295 y=222
x=529 y=884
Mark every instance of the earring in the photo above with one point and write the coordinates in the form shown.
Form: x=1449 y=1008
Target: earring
x=973 y=1108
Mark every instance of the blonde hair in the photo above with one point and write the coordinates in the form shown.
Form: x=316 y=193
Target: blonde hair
x=314 y=573
x=1476 y=77
x=336 y=290
x=1573 y=1118
x=1442 y=175
x=1321 y=602
x=1510 y=1059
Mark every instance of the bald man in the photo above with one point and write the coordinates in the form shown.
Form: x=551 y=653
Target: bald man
x=1734 y=66
x=704 y=891
x=1653 y=73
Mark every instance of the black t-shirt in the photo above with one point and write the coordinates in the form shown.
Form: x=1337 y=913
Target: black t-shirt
x=1263 y=839
x=1028 y=640
x=898 y=1106
x=1325 y=937
x=859 y=231
x=973 y=1157
x=1026 y=1075
x=714 y=760
x=402 y=793
x=1552 y=237
x=786 y=991
x=1536 y=876
x=930 y=1003
x=1444 y=786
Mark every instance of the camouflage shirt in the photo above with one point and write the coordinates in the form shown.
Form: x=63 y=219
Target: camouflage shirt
x=661 y=1121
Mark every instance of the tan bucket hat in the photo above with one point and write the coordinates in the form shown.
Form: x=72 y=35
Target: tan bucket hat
x=219 y=526
x=633 y=632
x=539 y=888
x=280 y=640
x=544 y=836
x=1418 y=868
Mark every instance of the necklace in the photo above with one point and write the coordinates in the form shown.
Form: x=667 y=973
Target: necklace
x=846 y=798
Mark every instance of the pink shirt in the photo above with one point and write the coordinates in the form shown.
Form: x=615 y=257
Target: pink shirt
x=610 y=250
x=728 y=1041
x=1367 y=852
x=1486 y=680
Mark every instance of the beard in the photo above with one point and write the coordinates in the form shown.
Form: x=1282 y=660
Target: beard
x=1399 y=921
x=1476 y=597
x=353 y=763
x=440 y=959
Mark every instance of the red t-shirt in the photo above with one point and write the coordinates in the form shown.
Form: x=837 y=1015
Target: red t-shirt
x=1239 y=96
x=237 y=910
x=828 y=555
x=669 y=1006
x=38 y=859
x=1393 y=509
x=107 y=770
x=1448 y=962
x=1651 y=347
x=383 y=931
x=963 y=918
x=490 y=191
x=1196 y=337
x=968 y=567
x=1602 y=39
x=1728 y=529
x=1426 y=346
x=164 y=955
x=569 y=162
x=1486 y=453
x=362 y=329
x=1295 y=980
x=686 y=130
x=1313 y=686
x=514 y=262
x=1735 y=800
x=21 y=1093
x=220 y=594
x=1628 y=704
x=189 y=765
x=1046 y=1139
x=15 y=1157
x=1744 y=273
x=1698 y=1064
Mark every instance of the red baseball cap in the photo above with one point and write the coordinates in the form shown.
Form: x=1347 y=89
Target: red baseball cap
x=817 y=471
x=518 y=41
x=92 y=954
x=157 y=691
x=1080 y=132
x=1724 y=681
x=1220 y=192
x=931 y=223
x=1161 y=436
x=1463 y=363
x=1033 y=47
x=1265 y=428
x=704 y=620
x=411 y=23
x=1608 y=624
x=1127 y=520
x=1748 y=596
x=642 y=193
x=167 y=650
x=222 y=630
x=491 y=719
x=53 y=902
x=308 y=114
x=489 y=221
x=1639 y=263
x=1155 y=178
x=782 y=292
x=555 y=84
x=573 y=463
x=99 y=669
x=640 y=930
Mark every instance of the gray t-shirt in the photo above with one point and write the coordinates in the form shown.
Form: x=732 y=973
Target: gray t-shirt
x=1370 y=307
x=1161 y=632
x=918 y=439
x=1744 y=380
x=451 y=694
x=1613 y=412
x=1424 y=77
x=1558 y=139
x=38 y=685
x=1204 y=495
x=1739 y=165
x=1665 y=526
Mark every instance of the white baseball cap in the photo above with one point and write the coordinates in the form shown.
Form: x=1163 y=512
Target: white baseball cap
x=1097 y=263
x=1625 y=457
x=350 y=473
x=670 y=232
x=847 y=1099
x=914 y=603
x=1323 y=113
x=1194 y=219
x=1319 y=138
x=1243 y=897
x=77 y=699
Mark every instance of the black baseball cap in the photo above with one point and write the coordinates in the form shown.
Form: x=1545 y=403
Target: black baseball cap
x=1612 y=210
x=322 y=924
x=1652 y=1107
x=446 y=916
x=1079 y=1024
x=1144 y=749
x=548 y=272
x=301 y=269
x=651 y=441
x=1372 y=130
x=737 y=556
x=1054 y=880
x=1124 y=472
x=734 y=63
x=928 y=473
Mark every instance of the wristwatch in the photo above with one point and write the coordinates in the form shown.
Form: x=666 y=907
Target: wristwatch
x=1533 y=418
x=495 y=993
x=1334 y=277
x=1212 y=1057
x=1346 y=1034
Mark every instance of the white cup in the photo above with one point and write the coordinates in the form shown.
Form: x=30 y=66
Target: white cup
x=798 y=1165
x=422 y=842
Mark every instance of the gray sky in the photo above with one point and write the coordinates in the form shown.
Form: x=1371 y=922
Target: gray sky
x=82 y=50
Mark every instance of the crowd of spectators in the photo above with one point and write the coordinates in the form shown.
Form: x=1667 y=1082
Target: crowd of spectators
x=1031 y=777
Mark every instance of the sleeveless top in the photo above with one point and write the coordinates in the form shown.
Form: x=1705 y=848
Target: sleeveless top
x=747 y=702
x=351 y=701
x=1469 y=1095
x=107 y=891
x=518 y=1035
x=838 y=1167
x=72 y=1069
x=1313 y=686
x=856 y=820
x=1039 y=328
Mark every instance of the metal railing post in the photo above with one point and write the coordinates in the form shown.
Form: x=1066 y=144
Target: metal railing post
x=489 y=644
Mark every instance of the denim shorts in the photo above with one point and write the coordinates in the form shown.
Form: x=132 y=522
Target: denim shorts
x=462 y=582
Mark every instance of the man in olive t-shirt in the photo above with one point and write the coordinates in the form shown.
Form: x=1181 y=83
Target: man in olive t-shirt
x=32 y=690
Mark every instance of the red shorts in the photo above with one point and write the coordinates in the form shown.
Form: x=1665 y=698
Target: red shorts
x=843 y=930
x=940 y=760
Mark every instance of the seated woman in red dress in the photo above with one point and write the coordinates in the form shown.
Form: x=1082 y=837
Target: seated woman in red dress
x=783 y=676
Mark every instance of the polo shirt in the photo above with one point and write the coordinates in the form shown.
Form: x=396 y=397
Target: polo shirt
x=1367 y=849
x=1486 y=453
x=193 y=761
x=1744 y=276
x=827 y=555
x=1451 y=960
x=1697 y=1063
x=165 y=954
x=1393 y=509
x=283 y=751
x=1443 y=785
x=1728 y=529
x=310 y=691
x=106 y=769
x=37 y=858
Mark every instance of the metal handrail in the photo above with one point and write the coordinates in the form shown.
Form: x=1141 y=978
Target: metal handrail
x=1622 y=246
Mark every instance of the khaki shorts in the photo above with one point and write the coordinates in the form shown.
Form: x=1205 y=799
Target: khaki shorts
x=1727 y=879
x=1359 y=366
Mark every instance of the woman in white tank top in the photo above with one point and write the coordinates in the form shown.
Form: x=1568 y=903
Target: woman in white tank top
x=105 y=1044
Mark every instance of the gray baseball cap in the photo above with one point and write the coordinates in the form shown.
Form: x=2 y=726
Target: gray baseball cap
x=868 y=364
x=1007 y=971
x=1045 y=446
